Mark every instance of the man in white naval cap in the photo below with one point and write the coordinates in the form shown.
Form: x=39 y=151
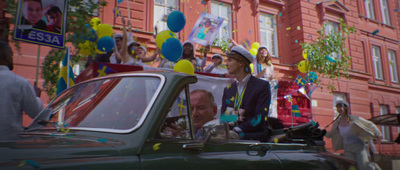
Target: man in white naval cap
x=248 y=97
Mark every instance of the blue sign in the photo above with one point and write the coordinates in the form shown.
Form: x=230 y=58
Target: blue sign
x=41 y=22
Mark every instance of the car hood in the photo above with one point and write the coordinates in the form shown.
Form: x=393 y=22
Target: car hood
x=42 y=147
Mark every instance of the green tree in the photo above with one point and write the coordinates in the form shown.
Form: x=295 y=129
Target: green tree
x=320 y=56
x=79 y=15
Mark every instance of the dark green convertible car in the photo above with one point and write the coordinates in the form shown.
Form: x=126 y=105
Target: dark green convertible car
x=117 y=122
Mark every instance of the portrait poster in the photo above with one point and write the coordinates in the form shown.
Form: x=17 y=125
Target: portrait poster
x=206 y=29
x=41 y=22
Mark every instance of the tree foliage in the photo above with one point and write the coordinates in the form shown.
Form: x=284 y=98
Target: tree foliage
x=320 y=56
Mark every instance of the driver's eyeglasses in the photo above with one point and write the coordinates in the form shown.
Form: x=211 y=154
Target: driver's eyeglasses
x=339 y=105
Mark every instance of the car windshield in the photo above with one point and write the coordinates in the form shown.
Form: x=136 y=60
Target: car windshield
x=106 y=104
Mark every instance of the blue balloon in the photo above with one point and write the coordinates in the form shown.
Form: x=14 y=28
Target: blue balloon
x=105 y=44
x=176 y=21
x=172 y=49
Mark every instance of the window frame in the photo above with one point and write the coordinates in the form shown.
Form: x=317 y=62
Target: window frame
x=377 y=62
x=369 y=9
x=335 y=27
x=338 y=96
x=398 y=112
x=273 y=47
x=227 y=21
x=385 y=12
x=157 y=21
x=383 y=110
x=394 y=76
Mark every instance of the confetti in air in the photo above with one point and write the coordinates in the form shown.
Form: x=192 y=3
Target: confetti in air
x=256 y=120
x=156 y=146
x=102 y=140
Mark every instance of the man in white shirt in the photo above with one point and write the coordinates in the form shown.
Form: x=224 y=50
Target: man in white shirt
x=17 y=96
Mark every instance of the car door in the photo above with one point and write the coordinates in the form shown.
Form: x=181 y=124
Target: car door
x=166 y=151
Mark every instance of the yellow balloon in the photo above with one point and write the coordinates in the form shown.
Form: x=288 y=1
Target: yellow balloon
x=104 y=30
x=255 y=45
x=163 y=36
x=184 y=66
x=251 y=67
x=99 y=52
x=304 y=66
x=305 y=55
x=86 y=48
x=253 y=51
x=94 y=22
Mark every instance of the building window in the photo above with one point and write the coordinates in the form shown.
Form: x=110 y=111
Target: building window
x=398 y=112
x=223 y=10
x=385 y=12
x=162 y=8
x=369 y=9
x=393 y=66
x=330 y=28
x=336 y=97
x=383 y=110
x=268 y=33
x=376 y=58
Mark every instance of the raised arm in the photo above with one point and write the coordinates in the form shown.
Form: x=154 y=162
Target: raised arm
x=124 y=51
x=152 y=57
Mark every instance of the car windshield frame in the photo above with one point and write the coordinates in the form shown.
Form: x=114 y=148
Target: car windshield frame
x=47 y=112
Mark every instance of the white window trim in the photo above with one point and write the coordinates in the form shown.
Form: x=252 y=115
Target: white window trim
x=385 y=12
x=369 y=9
x=273 y=47
x=393 y=66
x=228 y=20
x=329 y=28
x=377 y=62
x=383 y=110
x=336 y=97
x=158 y=20
x=398 y=112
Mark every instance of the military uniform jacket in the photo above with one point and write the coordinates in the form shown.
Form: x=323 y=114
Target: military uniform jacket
x=256 y=100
